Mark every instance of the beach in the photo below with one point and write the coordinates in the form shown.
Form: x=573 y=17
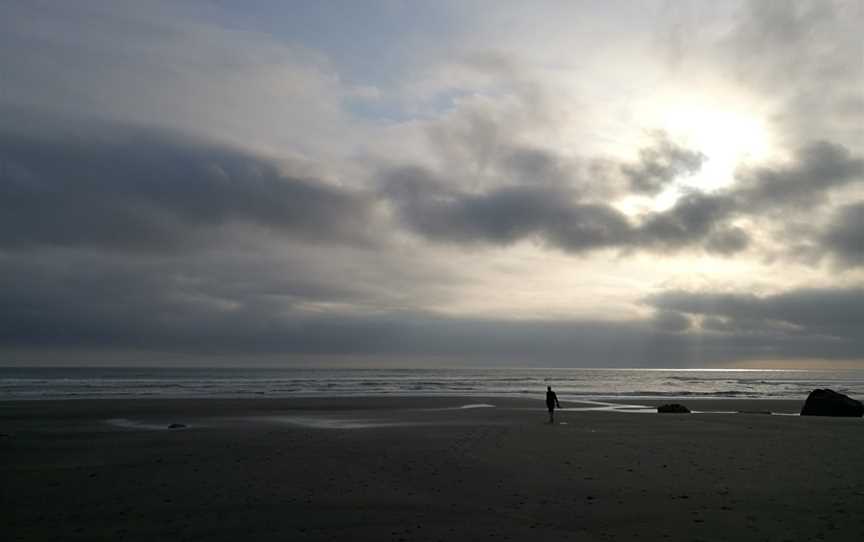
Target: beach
x=424 y=468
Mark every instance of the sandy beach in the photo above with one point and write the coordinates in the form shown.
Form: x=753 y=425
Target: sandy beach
x=425 y=469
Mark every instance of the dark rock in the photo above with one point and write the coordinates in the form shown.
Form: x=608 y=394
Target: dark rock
x=673 y=408
x=830 y=403
x=176 y=426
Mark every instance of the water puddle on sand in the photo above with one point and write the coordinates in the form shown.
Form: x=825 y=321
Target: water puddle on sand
x=334 y=423
x=602 y=406
x=321 y=422
x=471 y=406
x=126 y=423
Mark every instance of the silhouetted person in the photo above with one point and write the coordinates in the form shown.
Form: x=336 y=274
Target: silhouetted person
x=551 y=403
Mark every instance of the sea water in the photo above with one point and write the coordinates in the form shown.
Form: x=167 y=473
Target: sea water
x=86 y=383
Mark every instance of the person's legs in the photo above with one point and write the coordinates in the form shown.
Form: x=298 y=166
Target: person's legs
x=551 y=415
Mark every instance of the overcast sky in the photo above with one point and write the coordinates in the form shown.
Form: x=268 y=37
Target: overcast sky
x=465 y=183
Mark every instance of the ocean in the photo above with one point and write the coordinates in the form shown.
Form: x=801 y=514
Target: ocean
x=17 y=383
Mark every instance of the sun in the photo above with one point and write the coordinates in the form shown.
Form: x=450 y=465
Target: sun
x=728 y=137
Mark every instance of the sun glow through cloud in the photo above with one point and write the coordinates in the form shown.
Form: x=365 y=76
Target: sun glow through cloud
x=727 y=137
x=731 y=132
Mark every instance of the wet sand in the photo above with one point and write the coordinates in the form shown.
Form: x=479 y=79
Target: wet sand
x=424 y=469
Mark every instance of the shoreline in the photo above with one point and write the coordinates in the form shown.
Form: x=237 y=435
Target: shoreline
x=652 y=400
x=215 y=405
x=423 y=469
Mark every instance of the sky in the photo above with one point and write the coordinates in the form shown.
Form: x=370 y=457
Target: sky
x=415 y=184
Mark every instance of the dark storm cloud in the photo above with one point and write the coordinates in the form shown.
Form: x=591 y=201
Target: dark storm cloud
x=727 y=241
x=797 y=324
x=660 y=164
x=502 y=216
x=134 y=188
x=58 y=301
x=844 y=236
x=134 y=315
x=536 y=166
x=563 y=214
x=87 y=298
x=555 y=215
x=837 y=313
x=83 y=300
x=671 y=321
x=792 y=198
x=818 y=168
x=693 y=218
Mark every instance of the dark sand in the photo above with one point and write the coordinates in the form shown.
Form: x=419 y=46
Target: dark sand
x=420 y=469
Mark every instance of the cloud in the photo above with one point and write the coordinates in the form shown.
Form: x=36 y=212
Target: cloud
x=501 y=216
x=836 y=313
x=794 y=205
x=134 y=188
x=154 y=65
x=818 y=168
x=814 y=323
x=660 y=164
x=557 y=216
x=206 y=304
x=486 y=185
x=79 y=301
x=844 y=236
x=83 y=301
x=170 y=227
x=807 y=56
x=526 y=165
x=727 y=241
x=671 y=321
x=801 y=60
x=693 y=218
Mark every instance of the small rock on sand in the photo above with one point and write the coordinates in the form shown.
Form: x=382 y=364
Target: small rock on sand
x=673 y=408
